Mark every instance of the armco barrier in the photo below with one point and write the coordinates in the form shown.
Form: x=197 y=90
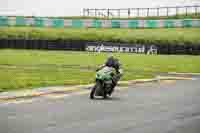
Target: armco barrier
x=92 y=23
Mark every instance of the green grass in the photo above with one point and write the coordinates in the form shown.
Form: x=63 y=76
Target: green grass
x=180 y=16
x=181 y=36
x=21 y=69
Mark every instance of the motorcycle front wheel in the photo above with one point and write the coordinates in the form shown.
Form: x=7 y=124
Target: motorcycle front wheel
x=94 y=89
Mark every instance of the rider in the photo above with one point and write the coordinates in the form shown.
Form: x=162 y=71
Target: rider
x=113 y=62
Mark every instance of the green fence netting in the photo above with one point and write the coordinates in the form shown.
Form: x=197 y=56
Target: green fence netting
x=133 y=24
x=3 y=21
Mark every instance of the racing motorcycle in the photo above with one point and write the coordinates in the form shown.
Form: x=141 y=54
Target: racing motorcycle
x=104 y=83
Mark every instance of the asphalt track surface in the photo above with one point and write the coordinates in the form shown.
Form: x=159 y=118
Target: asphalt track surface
x=170 y=107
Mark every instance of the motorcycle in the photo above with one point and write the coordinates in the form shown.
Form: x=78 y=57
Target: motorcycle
x=104 y=83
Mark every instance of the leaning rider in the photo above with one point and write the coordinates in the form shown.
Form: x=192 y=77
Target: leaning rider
x=113 y=62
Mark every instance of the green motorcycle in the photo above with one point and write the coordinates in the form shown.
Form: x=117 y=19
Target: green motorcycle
x=104 y=82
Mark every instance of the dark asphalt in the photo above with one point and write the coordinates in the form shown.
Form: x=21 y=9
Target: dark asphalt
x=150 y=108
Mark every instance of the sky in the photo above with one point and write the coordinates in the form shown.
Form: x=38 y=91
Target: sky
x=74 y=7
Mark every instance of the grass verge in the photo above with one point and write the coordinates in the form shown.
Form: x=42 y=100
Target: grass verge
x=21 y=69
x=181 y=36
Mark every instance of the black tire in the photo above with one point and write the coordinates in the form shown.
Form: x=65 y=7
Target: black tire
x=105 y=95
x=92 y=93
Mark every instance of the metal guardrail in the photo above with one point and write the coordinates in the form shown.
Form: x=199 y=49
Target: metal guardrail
x=142 y=12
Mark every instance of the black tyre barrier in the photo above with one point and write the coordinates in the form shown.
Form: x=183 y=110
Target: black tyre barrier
x=81 y=46
x=179 y=49
x=172 y=49
x=162 y=49
x=43 y=44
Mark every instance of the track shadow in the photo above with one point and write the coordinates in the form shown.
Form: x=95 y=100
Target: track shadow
x=107 y=99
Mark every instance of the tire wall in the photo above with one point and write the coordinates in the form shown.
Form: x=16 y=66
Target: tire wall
x=82 y=46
